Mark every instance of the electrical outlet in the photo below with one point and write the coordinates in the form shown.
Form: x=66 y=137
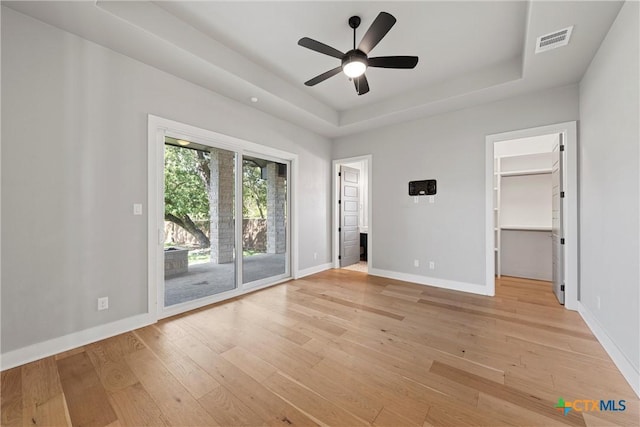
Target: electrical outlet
x=432 y=199
x=103 y=303
x=598 y=301
x=315 y=255
x=416 y=200
x=137 y=208
x=416 y=263
x=432 y=265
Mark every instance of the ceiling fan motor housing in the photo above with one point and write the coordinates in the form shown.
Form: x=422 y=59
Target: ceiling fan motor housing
x=354 y=55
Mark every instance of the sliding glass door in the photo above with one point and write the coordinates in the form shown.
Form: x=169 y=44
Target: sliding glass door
x=206 y=187
x=265 y=246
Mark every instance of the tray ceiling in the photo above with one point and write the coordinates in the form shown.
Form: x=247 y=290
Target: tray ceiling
x=470 y=52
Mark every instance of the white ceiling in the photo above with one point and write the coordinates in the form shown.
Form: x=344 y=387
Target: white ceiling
x=461 y=36
x=470 y=52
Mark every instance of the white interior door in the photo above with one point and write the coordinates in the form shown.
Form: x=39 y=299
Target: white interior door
x=557 y=234
x=349 y=212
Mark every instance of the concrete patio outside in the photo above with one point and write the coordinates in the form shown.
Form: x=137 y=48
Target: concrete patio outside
x=202 y=280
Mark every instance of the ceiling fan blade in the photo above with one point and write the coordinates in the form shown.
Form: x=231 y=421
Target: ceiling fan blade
x=380 y=27
x=362 y=85
x=393 y=61
x=320 y=47
x=322 y=77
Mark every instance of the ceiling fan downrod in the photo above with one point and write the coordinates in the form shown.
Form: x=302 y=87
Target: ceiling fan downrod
x=354 y=22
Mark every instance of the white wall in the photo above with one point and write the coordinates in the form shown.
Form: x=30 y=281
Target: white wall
x=74 y=145
x=526 y=254
x=609 y=185
x=525 y=200
x=450 y=148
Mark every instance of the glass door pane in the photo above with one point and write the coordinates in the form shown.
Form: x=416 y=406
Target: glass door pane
x=265 y=251
x=199 y=194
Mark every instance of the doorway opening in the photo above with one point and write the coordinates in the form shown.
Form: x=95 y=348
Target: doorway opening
x=352 y=249
x=532 y=210
x=527 y=210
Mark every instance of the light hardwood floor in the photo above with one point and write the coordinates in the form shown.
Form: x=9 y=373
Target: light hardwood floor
x=339 y=348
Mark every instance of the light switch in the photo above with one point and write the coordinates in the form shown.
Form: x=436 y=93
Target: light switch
x=137 y=208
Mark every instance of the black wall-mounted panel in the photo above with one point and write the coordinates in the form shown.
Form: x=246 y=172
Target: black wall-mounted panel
x=426 y=187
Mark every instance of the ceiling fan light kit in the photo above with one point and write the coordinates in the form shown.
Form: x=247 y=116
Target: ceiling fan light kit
x=355 y=62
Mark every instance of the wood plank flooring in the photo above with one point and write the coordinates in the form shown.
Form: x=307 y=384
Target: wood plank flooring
x=339 y=348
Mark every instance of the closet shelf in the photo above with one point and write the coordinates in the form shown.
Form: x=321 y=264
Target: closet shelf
x=526 y=172
x=526 y=227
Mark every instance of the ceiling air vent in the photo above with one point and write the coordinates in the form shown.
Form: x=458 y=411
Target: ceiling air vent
x=553 y=40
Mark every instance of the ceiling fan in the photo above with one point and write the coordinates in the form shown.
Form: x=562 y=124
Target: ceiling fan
x=356 y=61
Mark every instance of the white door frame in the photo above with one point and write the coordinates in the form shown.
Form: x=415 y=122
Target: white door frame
x=336 y=211
x=570 y=204
x=158 y=128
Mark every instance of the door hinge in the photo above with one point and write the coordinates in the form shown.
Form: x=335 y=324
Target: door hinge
x=339 y=201
x=339 y=173
x=562 y=288
x=339 y=257
x=562 y=194
x=562 y=148
x=562 y=241
x=339 y=229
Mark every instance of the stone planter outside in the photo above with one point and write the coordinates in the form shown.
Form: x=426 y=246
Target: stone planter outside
x=176 y=261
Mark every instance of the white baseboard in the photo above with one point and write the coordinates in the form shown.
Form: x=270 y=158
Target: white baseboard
x=432 y=281
x=53 y=346
x=313 y=270
x=629 y=372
